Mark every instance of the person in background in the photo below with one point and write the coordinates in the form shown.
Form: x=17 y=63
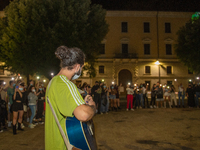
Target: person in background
x=112 y=97
x=24 y=101
x=137 y=97
x=10 y=93
x=31 y=83
x=166 y=95
x=173 y=96
x=104 y=101
x=40 y=104
x=145 y=98
x=197 y=94
x=117 y=96
x=159 y=93
x=130 y=93
x=2 y=107
x=181 y=95
x=32 y=101
x=17 y=107
x=96 y=91
x=153 y=96
x=190 y=95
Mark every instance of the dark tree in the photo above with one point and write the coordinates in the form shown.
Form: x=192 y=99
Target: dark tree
x=31 y=31
x=188 y=45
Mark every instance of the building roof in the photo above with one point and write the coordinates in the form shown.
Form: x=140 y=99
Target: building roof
x=150 y=5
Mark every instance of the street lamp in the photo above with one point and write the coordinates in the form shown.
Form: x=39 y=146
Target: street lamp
x=44 y=80
x=175 y=79
x=197 y=78
x=129 y=83
x=113 y=83
x=158 y=63
x=102 y=80
x=190 y=80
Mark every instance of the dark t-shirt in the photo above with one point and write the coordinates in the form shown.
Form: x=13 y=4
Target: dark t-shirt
x=18 y=98
x=159 y=92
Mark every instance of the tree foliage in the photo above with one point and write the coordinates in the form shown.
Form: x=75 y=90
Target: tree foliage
x=33 y=29
x=188 y=45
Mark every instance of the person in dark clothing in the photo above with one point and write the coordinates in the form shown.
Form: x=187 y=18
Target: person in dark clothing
x=3 y=111
x=40 y=104
x=190 y=95
x=17 y=107
x=159 y=93
x=153 y=97
x=96 y=92
x=197 y=93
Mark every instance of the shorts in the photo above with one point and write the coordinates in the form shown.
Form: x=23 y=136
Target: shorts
x=17 y=106
x=112 y=96
x=166 y=94
x=159 y=99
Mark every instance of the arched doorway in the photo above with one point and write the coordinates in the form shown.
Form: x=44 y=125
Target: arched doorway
x=124 y=77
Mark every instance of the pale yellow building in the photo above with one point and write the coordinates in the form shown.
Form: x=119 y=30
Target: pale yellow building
x=135 y=41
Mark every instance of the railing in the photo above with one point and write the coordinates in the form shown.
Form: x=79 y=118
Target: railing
x=126 y=55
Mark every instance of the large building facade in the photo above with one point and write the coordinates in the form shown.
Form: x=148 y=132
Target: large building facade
x=135 y=43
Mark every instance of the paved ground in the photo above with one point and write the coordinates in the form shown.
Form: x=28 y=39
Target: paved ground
x=143 y=129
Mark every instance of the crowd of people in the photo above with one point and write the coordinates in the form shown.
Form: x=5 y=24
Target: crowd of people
x=21 y=103
x=17 y=99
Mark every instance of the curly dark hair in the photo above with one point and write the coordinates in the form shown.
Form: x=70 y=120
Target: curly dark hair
x=70 y=56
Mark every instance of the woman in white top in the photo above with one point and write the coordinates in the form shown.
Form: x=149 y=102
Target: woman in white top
x=130 y=93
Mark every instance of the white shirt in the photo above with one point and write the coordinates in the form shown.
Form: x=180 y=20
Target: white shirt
x=129 y=91
x=180 y=89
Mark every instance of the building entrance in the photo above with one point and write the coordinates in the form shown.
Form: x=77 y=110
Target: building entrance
x=124 y=77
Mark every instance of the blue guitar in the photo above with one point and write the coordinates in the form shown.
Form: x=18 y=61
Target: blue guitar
x=80 y=134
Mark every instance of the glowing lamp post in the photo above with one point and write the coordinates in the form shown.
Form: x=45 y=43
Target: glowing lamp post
x=158 y=63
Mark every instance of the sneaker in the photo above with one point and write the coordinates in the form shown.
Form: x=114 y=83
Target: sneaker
x=1 y=131
x=126 y=109
x=9 y=124
x=22 y=126
x=36 y=123
x=41 y=122
x=132 y=109
x=31 y=126
x=140 y=107
x=101 y=113
x=154 y=106
x=136 y=107
x=151 y=107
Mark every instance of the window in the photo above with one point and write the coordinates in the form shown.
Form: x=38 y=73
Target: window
x=146 y=27
x=190 y=72
x=169 y=83
x=167 y=28
x=125 y=48
x=102 y=48
x=124 y=27
x=149 y=84
x=169 y=69
x=147 y=69
x=1 y=71
x=168 y=49
x=101 y=69
x=147 y=49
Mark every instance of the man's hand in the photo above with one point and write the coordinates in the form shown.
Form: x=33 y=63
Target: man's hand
x=88 y=100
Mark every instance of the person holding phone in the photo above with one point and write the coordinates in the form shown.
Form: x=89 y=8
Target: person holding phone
x=17 y=107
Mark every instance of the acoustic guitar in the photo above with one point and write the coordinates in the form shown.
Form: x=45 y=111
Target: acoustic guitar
x=81 y=134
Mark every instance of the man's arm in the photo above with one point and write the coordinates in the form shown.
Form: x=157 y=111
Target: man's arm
x=87 y=111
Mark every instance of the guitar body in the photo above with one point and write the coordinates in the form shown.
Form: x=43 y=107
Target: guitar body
x=80 y=134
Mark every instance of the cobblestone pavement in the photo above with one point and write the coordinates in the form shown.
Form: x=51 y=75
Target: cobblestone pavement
x=142 y=129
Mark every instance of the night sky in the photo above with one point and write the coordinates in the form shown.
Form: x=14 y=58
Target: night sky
x=145 y=5
x=150 y=5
